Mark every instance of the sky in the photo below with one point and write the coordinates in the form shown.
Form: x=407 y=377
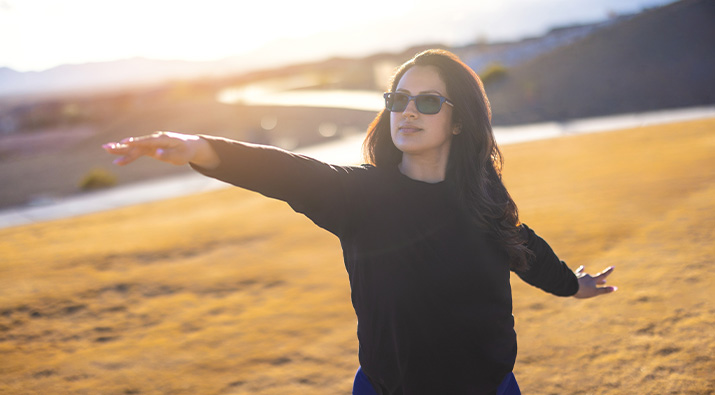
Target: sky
x=36 y=35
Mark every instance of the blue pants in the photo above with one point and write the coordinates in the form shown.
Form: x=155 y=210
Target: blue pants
x=362 y=386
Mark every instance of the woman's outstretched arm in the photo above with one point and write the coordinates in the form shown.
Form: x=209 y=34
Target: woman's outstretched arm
x=170 y=147
x=552 y=275
x=309 y=186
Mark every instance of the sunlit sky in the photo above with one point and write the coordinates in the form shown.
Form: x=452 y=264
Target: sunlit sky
x=41 y=34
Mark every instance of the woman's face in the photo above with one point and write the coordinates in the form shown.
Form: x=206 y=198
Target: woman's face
x=419 y=134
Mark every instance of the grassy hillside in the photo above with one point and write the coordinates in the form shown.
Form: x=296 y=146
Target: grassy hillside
x=232 y=293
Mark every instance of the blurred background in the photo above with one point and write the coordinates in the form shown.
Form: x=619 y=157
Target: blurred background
x=78 y=73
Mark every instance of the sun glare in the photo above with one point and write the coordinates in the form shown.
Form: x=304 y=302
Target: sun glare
x=163 y=29
x=39 y=34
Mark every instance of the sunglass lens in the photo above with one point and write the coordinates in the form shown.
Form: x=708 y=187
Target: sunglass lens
x=428 y=104
x=397 y=102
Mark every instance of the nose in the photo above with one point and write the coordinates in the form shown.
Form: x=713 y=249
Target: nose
x=411 y=110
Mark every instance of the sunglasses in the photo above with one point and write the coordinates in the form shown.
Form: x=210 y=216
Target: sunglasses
x=426 y=104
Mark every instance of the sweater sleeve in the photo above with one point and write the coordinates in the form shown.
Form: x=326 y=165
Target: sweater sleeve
x=545 y=270
x=309 y=186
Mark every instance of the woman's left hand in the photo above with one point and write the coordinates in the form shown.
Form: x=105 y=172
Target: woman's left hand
x=588 y=286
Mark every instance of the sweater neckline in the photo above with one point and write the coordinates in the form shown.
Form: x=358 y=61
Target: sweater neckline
x=400 y=175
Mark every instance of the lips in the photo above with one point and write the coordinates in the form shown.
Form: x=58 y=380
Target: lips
x=409 y=128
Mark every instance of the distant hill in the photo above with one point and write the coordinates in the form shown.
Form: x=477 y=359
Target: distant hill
x=102 y=76
x=141 y=72
x=661 y=58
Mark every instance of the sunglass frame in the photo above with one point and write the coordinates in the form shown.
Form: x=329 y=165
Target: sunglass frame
x=420 y=107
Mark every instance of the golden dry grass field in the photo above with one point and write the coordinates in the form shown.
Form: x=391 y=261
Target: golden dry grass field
x=229 y=292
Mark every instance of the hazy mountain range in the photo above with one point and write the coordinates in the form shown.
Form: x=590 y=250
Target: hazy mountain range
x=141 y=71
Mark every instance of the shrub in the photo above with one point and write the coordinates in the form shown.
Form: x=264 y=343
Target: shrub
x=97 y=179
x=493 y=73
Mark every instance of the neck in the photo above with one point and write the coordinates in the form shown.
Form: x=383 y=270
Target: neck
x=431 y=170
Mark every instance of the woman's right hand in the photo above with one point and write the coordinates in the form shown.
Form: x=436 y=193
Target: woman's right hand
x=175 y=148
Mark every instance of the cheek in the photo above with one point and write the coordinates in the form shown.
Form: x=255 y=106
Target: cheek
x=394 y=121
x=443 y=128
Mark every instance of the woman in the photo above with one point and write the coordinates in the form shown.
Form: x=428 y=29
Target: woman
x=428 y=230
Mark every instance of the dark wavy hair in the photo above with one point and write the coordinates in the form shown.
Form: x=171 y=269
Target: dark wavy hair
x=475 y=162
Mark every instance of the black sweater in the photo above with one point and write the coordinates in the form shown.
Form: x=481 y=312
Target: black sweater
x=431 y=290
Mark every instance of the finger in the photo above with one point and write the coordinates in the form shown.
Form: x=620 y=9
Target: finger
x=126 y=159
x=127 y=154
x=579 y=270
x=148 y=142
x=116 y=148
x=602 y=276
x=130 y=154
x=605 y=290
